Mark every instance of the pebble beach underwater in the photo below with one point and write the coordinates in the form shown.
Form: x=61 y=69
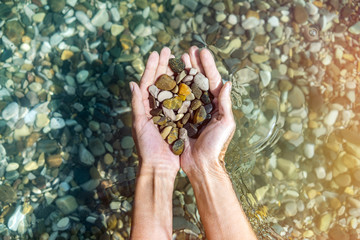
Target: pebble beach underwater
x=68 y=162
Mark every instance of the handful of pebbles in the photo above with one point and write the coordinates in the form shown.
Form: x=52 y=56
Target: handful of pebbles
x=180 y=104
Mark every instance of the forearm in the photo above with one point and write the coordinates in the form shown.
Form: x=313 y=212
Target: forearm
x=220 y=211
x=152 y=217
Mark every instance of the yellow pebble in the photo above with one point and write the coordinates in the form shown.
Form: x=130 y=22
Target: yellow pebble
x=66 y=54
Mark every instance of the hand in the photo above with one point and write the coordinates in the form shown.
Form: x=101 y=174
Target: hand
x=206 y=153
x=154 y=152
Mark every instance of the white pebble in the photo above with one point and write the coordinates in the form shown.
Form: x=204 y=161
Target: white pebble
x=57 y=123
x=309 y=150
x=232 y=19
x=274 y=21
x=331 y=117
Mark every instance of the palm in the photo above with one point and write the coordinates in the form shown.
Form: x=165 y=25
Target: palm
x=211 y=141
x=152 y=148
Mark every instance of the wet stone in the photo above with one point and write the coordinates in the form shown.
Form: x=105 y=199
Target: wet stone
x=200 y=115
x=57 y=5
x=173 y=103
x=165 y=82
x=178 y=147
x=176 y=64
x=173 y=135
x=7 y=194
x=195 y=104
x=300 y=14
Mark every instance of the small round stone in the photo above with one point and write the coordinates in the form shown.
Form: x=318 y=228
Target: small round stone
x=177 y=65
x=178 y=147
x=127 y=142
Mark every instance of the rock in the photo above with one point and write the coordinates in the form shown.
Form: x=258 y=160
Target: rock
x=177 y=65
x=250 y=23
x=178 y=147
x=127 y=142
x=296 y=97
x=274 y=21
x=166 y=131
x=31 y=166
x=232 y=19
x=46 y=146
x=200 y=115
x=165 y=82
x=12 y=167
x=184 y=89
x=343 y=180
x=163 y=37
x=116 y=29
x=10 y=111
x=315 y=47
x=154 y=91
x=66 y=204
x=184 y=107
x=14 y=31
x=331 y=117
x=323 y=222
x=258 y=58
x=300 y=14
x=265 y=77
x=173 y=135
x=100 y=18
x=96 y=147
x=173 y=103
x=244 y=76
x=320 y=172
x=71 y=3
x=201 y=82
x=108 y=159
x=309 y=150
x=163 y=95
x=57 y=123
x=84 y=19
x=170 y=114
x=290 y=209
x=7 y=194
x=38 y=17
x=66 y=55
x=355 y=29
x=141 y=3
x=337 y=232
x=42 y=120
x=54 y=161
x=56 y=5
x=63 y=224
x=286 y=166
x=82 y=76
x=16 y=219
x=195 y=104
x=85 y=156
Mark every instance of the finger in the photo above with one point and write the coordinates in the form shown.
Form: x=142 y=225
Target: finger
x=186 y=59
x=168 y=70
x=163 y=62
x=195 y=58
x=148 y=77
x=211 y=72
x=138 y=109
x=225 y=106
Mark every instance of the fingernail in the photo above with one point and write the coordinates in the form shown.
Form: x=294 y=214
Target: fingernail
x=228 y=87
x=131 y=84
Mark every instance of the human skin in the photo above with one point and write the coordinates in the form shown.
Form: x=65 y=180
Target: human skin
x=202 y=160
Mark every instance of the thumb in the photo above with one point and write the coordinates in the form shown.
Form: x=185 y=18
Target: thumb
x=136 y=102
x=224 y=101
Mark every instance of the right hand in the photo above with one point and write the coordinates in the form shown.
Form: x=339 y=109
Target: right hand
x=206 y=153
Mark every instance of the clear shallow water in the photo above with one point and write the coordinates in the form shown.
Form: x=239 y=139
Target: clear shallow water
x=67 y=159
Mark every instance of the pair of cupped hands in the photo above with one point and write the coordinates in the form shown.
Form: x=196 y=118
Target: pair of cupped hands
x=204 y=154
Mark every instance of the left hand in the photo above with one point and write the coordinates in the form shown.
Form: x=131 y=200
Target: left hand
x=155 y=153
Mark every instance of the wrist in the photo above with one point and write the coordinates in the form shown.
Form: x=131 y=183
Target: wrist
x=161 y=171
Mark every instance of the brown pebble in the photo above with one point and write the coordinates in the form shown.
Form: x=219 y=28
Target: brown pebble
x=155 y=111
x=196 y=91
x=54 y=160
x=195 y=104
x=152 y=102
x=159 y=120
x=165 y=82
x=178 y=147
x=186 y=118
x=200 y=115
x=177 y=65
x=173 y=135
x=300 y=14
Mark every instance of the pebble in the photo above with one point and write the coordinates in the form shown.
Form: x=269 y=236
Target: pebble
x=85 y=156
x=309 y=150
x=163 y=95
x=10 y=111
x=82 y=76
x=12 y=167
x=63 y=224
x=290 y=209
x=38 y=17
x=250 y=23
x=165 y=82
x=258 y=58
x=100 y=18
x=355 y=29
x=127 y=142
x=67 y=204
x=274 y=21
x=177 y=65
x=265 y=77
x=116 y=29
x=331 y=117
x=178 y=147
x=201 y=82
x=300 y=14
x=31 y=166
x=96 y=147
x=57 y=123
x=232 y=19
x=84 y=20
x=108 y=159
x=296 y=97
